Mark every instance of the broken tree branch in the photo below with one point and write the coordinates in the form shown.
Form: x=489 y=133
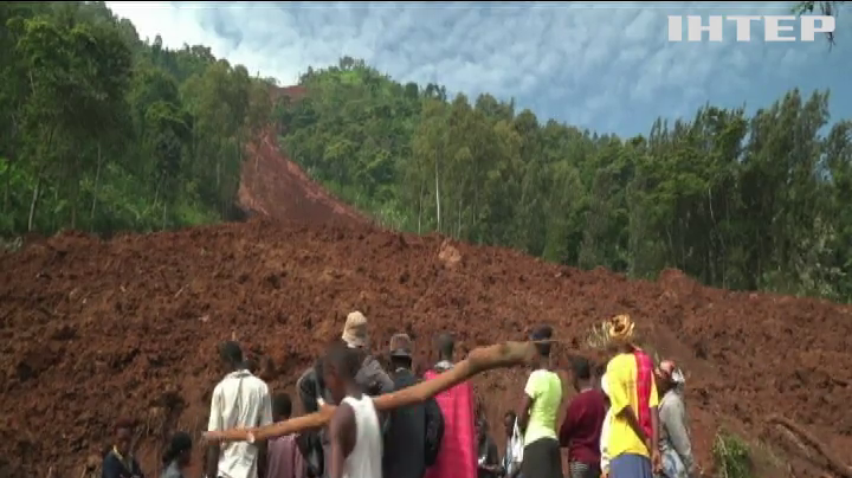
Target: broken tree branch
x=834 y=463
x=507 y=354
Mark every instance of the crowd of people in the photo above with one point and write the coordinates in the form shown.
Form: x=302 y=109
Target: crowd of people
x=627 y=419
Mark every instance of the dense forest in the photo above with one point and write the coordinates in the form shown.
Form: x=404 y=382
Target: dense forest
x=103 y=132
x=100 y=131
x=739 y=201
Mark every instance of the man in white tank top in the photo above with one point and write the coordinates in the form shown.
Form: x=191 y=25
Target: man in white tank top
x=356 y=441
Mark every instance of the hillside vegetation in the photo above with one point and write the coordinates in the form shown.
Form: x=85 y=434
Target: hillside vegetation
x=102 y=132
x=737 y=201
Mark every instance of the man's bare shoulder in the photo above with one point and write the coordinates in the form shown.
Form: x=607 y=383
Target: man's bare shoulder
x=344 y=412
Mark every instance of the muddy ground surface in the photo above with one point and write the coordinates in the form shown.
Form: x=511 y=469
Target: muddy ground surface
x=92 y=331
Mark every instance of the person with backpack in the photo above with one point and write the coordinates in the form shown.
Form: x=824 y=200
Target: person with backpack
x=412 y=434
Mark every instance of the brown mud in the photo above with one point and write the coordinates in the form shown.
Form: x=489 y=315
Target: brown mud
x=92 y=331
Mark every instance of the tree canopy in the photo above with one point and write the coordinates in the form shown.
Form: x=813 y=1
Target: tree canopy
x=736 y=201
x=103 y=132
x=100 y=131
x=824 y=7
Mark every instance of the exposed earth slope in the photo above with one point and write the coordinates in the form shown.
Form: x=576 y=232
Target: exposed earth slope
x=274 y=186
x=95 y=330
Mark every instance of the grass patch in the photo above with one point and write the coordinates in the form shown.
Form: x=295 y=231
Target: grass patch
x=732 y=456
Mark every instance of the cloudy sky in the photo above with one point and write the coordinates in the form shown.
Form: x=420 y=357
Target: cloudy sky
x=604 y=66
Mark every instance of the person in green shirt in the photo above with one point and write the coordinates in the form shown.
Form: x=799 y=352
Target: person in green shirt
x=537 y=416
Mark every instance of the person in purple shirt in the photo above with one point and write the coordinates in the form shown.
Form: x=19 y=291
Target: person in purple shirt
x=581 y=430
x=285 y=460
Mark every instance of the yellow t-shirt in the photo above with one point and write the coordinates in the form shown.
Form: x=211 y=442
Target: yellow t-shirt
x=621 y=381
x=545 y=388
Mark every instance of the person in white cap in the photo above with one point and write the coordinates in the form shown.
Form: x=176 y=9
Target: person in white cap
x=371 y=376
x=313 y=393
x=675 y=445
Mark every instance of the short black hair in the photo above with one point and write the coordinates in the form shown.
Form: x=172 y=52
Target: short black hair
x=446 y=343
x=600 y=369
x=251 y=364
x=180 y=442
x=343 y=360
x=282 y=406
x=582 y=368
x=231 y=352
x=543 y=332
x=398 y=361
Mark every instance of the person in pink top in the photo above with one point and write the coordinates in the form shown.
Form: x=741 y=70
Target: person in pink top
x=457 y=456
x=285 y=460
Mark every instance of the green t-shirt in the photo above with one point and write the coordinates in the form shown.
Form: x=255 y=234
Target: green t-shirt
x=545 y=388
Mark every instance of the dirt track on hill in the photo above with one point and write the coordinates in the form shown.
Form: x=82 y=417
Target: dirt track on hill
x=91 y=331
x=274 y=186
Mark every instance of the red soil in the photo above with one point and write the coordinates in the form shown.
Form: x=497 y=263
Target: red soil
x=95 y=330
x=274 y=186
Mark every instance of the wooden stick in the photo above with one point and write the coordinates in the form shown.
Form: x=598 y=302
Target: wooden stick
x=834 y=463
x=507 y=354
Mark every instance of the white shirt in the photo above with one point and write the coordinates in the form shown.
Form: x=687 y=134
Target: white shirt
x=240 y=400
x=365 y=460
x=605 y=458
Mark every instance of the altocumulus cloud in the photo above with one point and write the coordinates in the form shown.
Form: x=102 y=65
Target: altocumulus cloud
x=604 y=66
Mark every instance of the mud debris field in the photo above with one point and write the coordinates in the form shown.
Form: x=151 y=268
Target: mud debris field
x=95 y=330
x=92 y=331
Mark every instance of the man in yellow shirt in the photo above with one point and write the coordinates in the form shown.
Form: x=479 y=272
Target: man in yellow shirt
x=633 y=434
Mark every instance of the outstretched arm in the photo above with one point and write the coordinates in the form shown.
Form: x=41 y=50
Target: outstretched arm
x=507 y=354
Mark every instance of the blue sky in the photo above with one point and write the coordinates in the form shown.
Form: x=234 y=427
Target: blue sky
x=606 y=66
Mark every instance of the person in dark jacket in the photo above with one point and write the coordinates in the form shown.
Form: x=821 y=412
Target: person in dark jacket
x=488 y=460
x=413 y=433
x=119 y=462
x=177 y=456
x=371 y=377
